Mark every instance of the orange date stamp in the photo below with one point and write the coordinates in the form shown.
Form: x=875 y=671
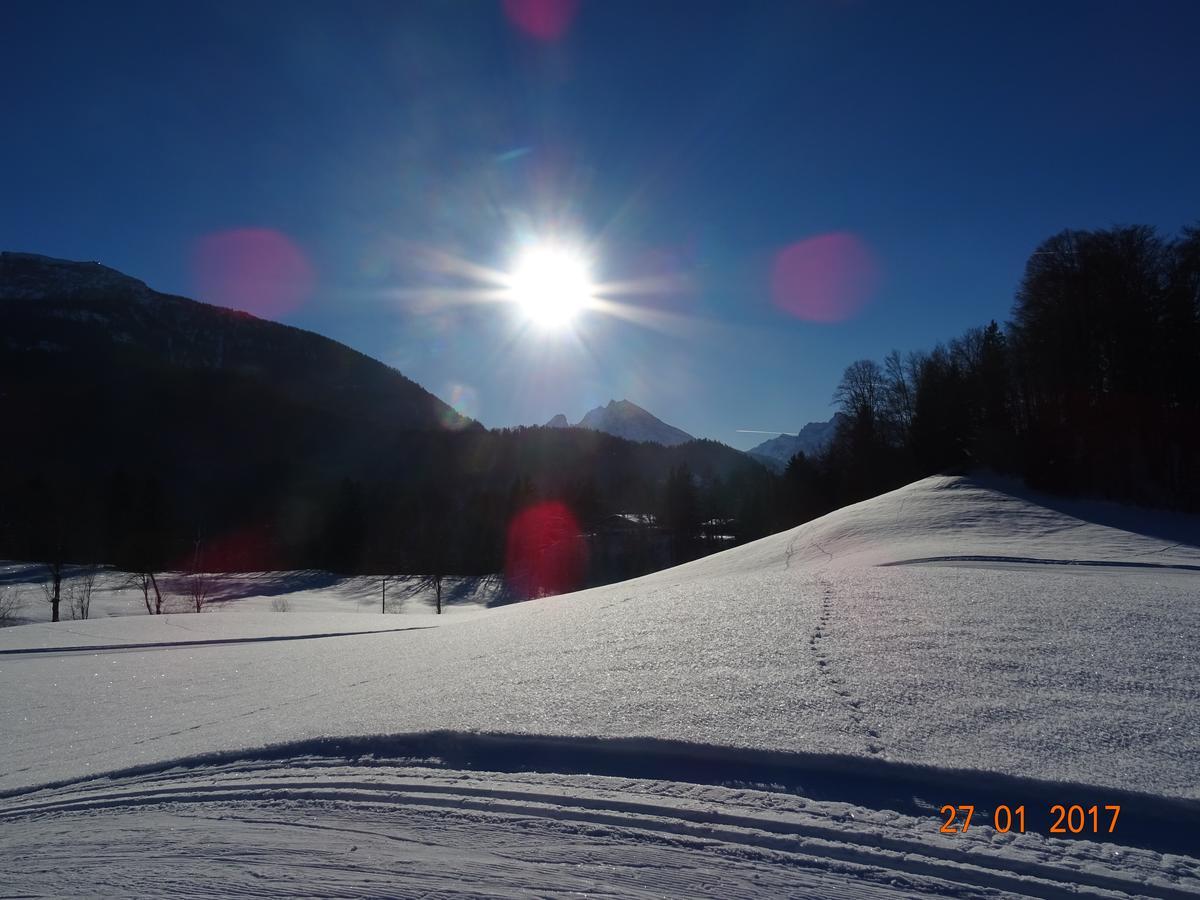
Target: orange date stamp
x=1064 y=819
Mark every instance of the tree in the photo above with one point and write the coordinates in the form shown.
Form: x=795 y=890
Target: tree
x=345 y=528
x=861 y=392
x=79 y=594
x=45 y=514
x=433 y=581
x=866 y=461
x=1100 y=336
x=432 y=550
x=147 y=582
x=144 y=552
x=680 y=509
x=899 y=405
x=383 y=593
x=197 y=583
x=52 y=586
x=10 y=605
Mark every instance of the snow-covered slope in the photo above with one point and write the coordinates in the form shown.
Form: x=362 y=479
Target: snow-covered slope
x=304 y=591
x=628 y=420
x=785 y=717
x=812 y=439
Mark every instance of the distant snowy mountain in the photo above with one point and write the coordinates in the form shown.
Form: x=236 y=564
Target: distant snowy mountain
x=628 y=420
x=813 y=438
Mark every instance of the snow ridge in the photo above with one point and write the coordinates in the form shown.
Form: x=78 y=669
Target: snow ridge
x=628 y=420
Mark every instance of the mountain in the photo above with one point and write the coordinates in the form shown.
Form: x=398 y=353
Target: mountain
x=628 y=420
x=61 y=315
x=812 y=439
x=142 y=420
x=142 y=407
x=559 y=421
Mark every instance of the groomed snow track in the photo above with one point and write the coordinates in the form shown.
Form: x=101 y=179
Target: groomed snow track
x=462 y=813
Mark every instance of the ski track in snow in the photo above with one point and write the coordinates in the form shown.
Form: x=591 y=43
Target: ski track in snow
x=782 y=719
x=408 y=828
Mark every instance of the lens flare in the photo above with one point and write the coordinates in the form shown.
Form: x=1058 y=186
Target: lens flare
x=544 y=20
x=256 y=270
x=546 y=553
x=828 y=278
x=464 y=406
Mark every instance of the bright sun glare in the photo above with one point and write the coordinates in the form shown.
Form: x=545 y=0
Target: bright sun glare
x=551 y=285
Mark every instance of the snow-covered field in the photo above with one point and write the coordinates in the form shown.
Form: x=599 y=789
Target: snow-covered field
x=782 y=719
x=115 y=594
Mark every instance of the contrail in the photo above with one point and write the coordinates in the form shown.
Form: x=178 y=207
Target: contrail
x=755 y=431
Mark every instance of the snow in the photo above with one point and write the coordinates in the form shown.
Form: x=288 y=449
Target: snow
x=369 y=828
x=959 y=640
x=174 y=630
x=814 y=437
x=297 y=592
x=628 y=420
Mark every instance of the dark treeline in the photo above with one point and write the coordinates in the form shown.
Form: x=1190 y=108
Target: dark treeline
x=130 y=458
x=153 y=432
x=444 y=507
x=1092 y=388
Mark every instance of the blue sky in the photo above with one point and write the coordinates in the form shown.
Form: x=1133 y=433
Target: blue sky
x=693 y=143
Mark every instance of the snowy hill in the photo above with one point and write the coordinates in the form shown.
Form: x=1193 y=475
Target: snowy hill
x=812 y=439
x=627 y=420
x=783 y=718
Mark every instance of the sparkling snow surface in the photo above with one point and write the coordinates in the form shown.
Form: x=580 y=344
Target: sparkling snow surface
x=956 y=624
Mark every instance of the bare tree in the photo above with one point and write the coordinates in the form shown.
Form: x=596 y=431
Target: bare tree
x=901 y=377
x=147 y=582
x=430 y=553
x=11 y=602
x=862 y=390
x=79 y=594
x=52 y=586
x=197 y=583
x=434 y=583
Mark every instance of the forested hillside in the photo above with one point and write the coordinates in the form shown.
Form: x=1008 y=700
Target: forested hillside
x=1092 y=388
x=153 y=432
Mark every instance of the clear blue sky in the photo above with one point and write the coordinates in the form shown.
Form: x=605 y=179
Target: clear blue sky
x=697 y=141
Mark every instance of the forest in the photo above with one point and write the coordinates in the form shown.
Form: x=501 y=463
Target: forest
x=1090 y=389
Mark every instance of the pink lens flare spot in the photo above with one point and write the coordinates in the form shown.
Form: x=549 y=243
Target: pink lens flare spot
x=256 y=270
x=544 y=20
x=546 y=553
x=828 y=278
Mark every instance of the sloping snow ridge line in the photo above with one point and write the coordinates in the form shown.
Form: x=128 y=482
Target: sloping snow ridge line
x=786 y=718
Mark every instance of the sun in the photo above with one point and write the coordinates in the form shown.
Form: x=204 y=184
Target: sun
x=551 y=285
